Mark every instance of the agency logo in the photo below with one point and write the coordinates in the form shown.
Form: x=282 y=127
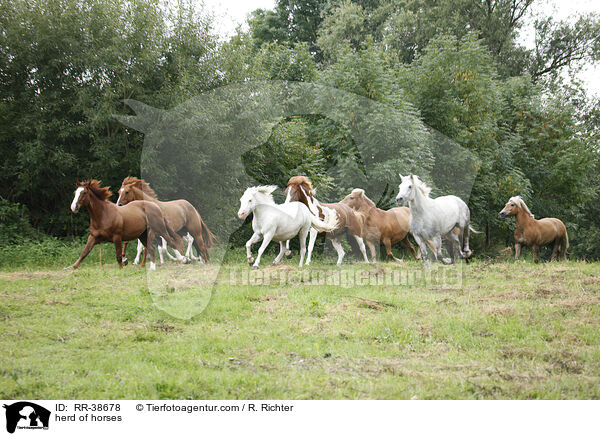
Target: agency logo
x=26 y=415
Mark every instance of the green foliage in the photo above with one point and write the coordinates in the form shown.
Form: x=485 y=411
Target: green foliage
x=65 y=67
x=287 y=153
x=15 y=227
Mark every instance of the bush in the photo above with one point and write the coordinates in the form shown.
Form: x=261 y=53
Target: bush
x=14 y=224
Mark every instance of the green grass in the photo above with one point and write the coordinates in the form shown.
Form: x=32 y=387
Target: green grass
x=508 y=331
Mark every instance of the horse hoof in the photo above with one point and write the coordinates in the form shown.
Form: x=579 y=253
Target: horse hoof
x=289 y=254
x=447 y=260
x=250 y=260
x=68 y=267
x=124 y=261
x=254 y=266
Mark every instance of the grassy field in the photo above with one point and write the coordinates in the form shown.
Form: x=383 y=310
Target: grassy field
x=508 y=331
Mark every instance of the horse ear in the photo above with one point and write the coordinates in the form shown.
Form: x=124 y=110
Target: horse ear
x=401 y=176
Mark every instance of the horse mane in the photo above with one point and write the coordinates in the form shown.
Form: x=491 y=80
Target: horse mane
x=140 y=184
x=426 y=190
x=366 y=199
x=95 y=186
x=302 y=181
x=519 y=202
x=266 y=191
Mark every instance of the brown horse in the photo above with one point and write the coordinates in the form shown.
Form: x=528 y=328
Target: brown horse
x=299 y=188
x=181 y=214
x=109 y=223
x=535 y=233
x=387 y=226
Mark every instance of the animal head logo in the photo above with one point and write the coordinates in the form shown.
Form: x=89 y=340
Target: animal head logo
x=26 y=415
x=196 y=151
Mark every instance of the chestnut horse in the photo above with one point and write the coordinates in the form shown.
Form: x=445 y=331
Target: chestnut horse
x=535 y=233
x=299 y=188
x=138 y=220
x=181 y=215
x=387 y=226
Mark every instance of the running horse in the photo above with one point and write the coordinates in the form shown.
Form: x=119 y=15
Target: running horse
x=434 y=219
x=535 y=233
x=387 y=226
x=299 y=188
x=141 y=220
x=181 y=215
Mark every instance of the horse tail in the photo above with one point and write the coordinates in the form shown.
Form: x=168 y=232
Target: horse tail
x=473 y=230
x=328 y=225
x=208 y=236
x=564 y=245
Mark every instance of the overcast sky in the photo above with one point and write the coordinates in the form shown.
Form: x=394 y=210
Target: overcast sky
x=231 y=13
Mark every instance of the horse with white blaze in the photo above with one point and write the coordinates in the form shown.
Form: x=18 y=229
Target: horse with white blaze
x=278 y=222
x=432 y=219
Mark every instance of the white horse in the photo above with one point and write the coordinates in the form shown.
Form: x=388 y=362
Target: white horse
x=433 y=219
x=278 y=222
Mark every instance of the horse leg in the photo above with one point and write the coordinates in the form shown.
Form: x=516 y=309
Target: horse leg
x=517 y=250
x=437 y=241
x=372 y=250
x=536 y=253
x=407 y=244
x=388 y=249
x=455 y=240
x=253 y=240
x=288 y=252
x=555 y=250
x=189 y=252
x=302 y=235
x=165 y=250
x=311 y=244
x=361 y=245
x=124 y=252
x=119 y=249
x=467 y=253
x=265 y=243
x=423 y=246
x=150 y=249
x=140 y=249
x=340 y=250
x=86 y=250
x=280 y=255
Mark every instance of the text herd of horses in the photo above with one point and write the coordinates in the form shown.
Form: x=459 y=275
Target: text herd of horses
x=138 y=214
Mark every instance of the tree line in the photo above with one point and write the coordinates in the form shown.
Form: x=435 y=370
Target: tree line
x=454 y=68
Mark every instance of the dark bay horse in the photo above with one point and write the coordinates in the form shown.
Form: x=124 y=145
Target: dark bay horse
x=387 y=226
x=535 y=233
x=299 y=188
x=110 y=223
x=181 y=214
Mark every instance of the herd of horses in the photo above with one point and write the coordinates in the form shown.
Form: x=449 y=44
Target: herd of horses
x=138 y=214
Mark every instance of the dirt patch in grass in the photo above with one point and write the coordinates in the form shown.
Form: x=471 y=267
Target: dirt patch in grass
x=499 y=310
x=34 y=275
x=577 y=301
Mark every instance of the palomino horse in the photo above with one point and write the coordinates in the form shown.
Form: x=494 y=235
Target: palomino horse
x=108 y=222
x=433 y=219
x=387 y=226
x=535 y=233
x=299 y=188
x=181 y=214
x=278 y=222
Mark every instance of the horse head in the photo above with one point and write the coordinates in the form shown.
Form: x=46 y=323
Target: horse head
x=511 y=208
x=358 y=200
x=254 y=196
x=85 y=189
